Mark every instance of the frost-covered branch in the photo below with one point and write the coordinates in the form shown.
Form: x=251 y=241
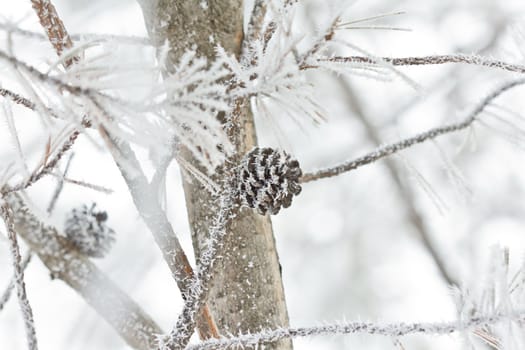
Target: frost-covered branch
x=425 y=60
x=405 y=192
x=135 y=40
x=54 y=27
x=146 y=200
x=390 y=149
x=183 y=329
x=7 y=292
x=47 y=166
x=27 y=311
x=18 y=99
x=393 y=330
x=66 y=263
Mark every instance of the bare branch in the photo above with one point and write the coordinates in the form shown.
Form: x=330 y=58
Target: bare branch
x=18 y=99
x=389 y=330
x=7 y=293
x=59 y=187
x=66 y=263
x=146 y=201
x=390 y=149
x=46 y=167
x=54 y=27
x=85 y=184
x=183 y=329
x=27 y=311
x=426 y=60
x=135 y=40
x=405 y=192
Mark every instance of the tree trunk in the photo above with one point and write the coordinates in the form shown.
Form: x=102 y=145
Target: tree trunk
x=246 y=294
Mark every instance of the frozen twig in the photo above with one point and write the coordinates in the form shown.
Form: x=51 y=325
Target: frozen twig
x=146 y=200
x=66 y=263
x=85 y=184
x=390 y=149
x=7 y=292
x=18 y=99
x=426 y=60
x=135 y=40
x=183 y=329
x=46 y=167
x=54 y=27
x=393 y=330
x=27 y=311
x=405 y=192
x=59 y=187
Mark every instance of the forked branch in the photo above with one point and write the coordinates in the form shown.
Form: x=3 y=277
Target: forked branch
x=390 y=149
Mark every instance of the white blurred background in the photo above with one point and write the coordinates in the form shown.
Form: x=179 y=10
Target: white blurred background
x=349 y=246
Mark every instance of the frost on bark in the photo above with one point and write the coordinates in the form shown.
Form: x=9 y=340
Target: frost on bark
x=246 y=293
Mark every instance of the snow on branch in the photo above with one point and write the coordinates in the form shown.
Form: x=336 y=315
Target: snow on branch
x=198 y=288
x=148 y=205
x=9 y=289
x=425 y=60
x=64 y=262
x=54 y=27
x=27 y=312
x=390 y=149
x=393 y=330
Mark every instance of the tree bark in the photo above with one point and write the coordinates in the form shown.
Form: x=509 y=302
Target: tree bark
x=246 y=293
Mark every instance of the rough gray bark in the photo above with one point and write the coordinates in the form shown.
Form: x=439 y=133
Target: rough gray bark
x=246 y=293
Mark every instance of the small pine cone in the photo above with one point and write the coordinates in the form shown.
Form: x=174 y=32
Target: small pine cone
x=268 y=180
x=87 y=230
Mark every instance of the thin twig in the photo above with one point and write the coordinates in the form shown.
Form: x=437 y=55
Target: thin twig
x=426 y=60
x=64 y=262
x=18 y=99
x=389 y=330
x=54 y=27
x=199 y=287
x=405 y=192
x=60 y=186
x=7 y=293
x=27 y=311
x=47 y=167
x=135 y=40
x=146 y=201
x=390 y=149
x=85 y=184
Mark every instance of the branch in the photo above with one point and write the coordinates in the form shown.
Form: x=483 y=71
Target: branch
x=393 y=330
x=18 y=99
x=147 y=204
x=136 y=40
x=46 y=167
x=425 y=60
x=66 y=263
x=405 y=192
x=27 y=311
x=390 y=149
x=7 y=293
x=54 y=27
x=199 y=287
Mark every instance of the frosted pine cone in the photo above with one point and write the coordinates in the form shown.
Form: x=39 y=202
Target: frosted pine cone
x=268 y=180
x=87 y=230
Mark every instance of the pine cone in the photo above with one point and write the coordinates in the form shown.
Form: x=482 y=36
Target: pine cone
x=268 y=179
x=87 y=230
